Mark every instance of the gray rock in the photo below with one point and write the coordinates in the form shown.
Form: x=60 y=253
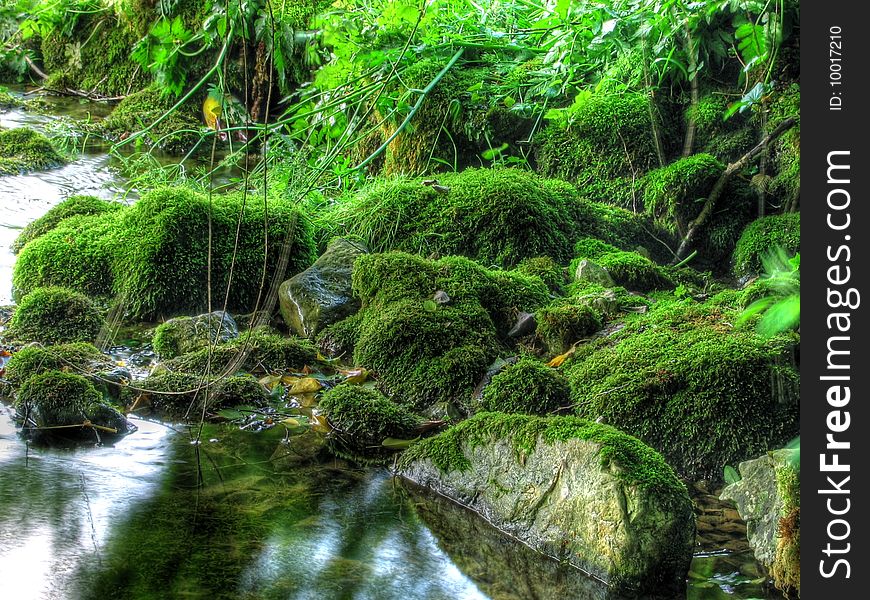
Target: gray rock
x=525 y=325
x=321 y=294
x=566 y=500
x=760 y=502
x=593 y=273
x=181 y=335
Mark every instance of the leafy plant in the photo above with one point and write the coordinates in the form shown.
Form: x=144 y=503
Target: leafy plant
x=781 y=309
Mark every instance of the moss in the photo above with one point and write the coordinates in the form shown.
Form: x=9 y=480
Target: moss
x=674 y=195
x=609 y=138
x=176 y=134
x=55 y=399
x=635 y=272
x=527 y=386
x=181 y=335
x=264 y=352
x=23 y=149
x=79 y=253
x=786 y=159
x=186 y=395
x=496 y=216
x=424 y=352
x=682 y=379
x=55 y=315
x=72 y=206
x=763 y=236
x=362 y=418
x=786 y=563
x=547 y=269
x=339 y=339
x=635 y=462
x=8 y=101
x=35 y=360
x=565 y=322
x=727 y=140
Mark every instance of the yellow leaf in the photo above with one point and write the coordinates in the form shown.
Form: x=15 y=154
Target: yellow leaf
x=307 y=400
x=291 y=422
x=306 y=385
x=558 y=360
x=289 y=380
x=270 y=381
x=320 y=424
x=358 y=375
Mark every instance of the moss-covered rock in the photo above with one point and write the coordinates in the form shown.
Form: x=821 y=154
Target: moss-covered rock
x=339 y=339
x=727 y=140
x=565 y=322
x=362 y=418
x=254 y=351
x=58 y=400
x=175 y=134
x=23 y=149
x=685 y=381
x=547 y=269
x=186 y=396
x=567 y=487
x=154 y=255
x=527 y=386
x=56 y=315
x=71 y=207
x=34 y=360
x=785 y=187
x=628 y=269
x=762 y=237
x=182 y=335
x=426 y=352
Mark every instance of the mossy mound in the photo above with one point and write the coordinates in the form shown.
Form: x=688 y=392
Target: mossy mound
x=606 y=143
x=339 y=339
x=565 y=322
x=785 y=186
x=682 y=379
x=362 y=418
x=628 y=269
x=34 y=360
x=426 y=352
x=71 y=207
x=154 y=255
x=23 y=149
x=175 y=134
x=763 y=236
x=727 y=140
x=254 y=351
x=53 y=399
x=56 y=315
x=496 y=216
x=182 y=335
x=527 y=386
x=547 y=269
x=786 y=567
x=186 y=395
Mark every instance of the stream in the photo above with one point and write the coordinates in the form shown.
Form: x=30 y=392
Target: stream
x=157 y=516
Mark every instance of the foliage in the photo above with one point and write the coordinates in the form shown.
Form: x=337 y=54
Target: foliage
x=526 y=386
x=177 y=134
x=781 y=310
x=685 y=381
x=55 y=315
x=72 y=206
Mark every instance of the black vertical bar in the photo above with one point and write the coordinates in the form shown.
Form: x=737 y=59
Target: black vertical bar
x=835 y=364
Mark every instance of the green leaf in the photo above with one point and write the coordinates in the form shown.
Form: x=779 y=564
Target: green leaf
x=731 y=475
x=399 y=444
x=430 y=306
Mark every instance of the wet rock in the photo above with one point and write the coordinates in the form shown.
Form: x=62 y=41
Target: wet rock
x=768 y=499
x=525 y=325
x=569 y=488
x=321 y=295
x=182 y=335
x=593 y=273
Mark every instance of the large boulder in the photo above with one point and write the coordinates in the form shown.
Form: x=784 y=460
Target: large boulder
x=578 y=491
x=768 y=499
x=321 y=294
x=188 y=334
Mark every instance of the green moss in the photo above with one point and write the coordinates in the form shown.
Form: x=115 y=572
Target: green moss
x=727 y=140
x=186 y=395
x=362 y=418
x=786 y=183
x=634 y=272
x=527 y=386
x=53 y=398
x=55 y=315
x=176 y=134
x=22 y=150
x=72 y=206
x=425 y=352
x=763 y=236
x=35 y=360
x=497 y=216
x=636 y=463
x=609 y=138
x=264 y=352
x=547 y=269
x=339 y=339
x=181 y=335
x=682 y=379
x=786 y=563
x=565 y=322
x=8 y=101
x=79 y=253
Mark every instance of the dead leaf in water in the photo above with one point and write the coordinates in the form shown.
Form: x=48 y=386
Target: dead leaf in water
x=306 y=385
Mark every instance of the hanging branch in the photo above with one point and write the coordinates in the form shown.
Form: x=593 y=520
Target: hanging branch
x=720 y=184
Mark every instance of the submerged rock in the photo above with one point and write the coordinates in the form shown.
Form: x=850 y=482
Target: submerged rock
x=187 y=334
x=321 y=295
x=768 y=499
x=581 y=492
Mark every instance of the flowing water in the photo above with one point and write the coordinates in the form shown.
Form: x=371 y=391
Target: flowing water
x=156 y=516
